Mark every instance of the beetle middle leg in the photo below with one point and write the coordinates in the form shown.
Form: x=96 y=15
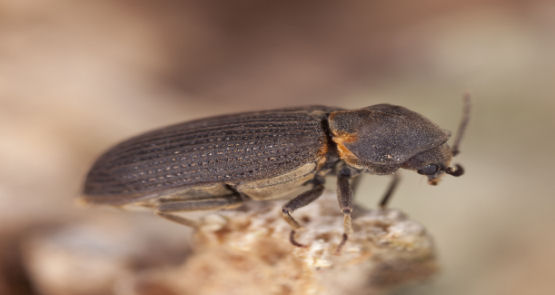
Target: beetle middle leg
x=167 y=207
x=390 y=190
x=299 y=202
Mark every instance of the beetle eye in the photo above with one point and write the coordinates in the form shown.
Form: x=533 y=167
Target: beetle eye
x=430 y=169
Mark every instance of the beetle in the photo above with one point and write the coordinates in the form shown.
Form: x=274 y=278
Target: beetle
x=220 y=162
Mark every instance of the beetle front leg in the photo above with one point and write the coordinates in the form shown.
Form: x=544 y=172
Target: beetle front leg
x=299 y=202
x=345 y=198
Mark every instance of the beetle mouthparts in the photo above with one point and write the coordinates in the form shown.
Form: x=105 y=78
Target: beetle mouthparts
x=433 y=181
x=457 y=171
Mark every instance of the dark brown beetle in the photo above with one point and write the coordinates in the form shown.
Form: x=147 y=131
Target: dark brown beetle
x=219 y=162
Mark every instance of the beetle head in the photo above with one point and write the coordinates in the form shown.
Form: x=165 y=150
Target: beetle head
x=383 y=138
x=435 y=162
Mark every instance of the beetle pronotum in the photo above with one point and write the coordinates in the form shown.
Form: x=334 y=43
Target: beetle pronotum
x=219 y=162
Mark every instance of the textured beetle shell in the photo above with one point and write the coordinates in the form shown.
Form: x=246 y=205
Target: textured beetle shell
x=224 y=149
x=384 y=134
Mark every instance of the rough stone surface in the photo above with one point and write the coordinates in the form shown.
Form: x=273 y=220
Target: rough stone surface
x=248 y=252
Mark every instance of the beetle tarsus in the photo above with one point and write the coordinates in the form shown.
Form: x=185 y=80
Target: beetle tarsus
x=347 y=223
x=286 y=214
x=344 y=239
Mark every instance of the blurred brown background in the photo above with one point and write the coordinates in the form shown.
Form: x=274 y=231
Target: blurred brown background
x=78 y=76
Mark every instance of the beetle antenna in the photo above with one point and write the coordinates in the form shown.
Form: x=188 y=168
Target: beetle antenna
x=462 y=125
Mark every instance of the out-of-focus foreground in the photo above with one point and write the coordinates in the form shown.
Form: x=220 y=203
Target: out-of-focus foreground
x=78 y=76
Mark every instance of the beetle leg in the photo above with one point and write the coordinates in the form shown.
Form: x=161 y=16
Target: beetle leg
x=178 y=219
x=345 y=198
x=390 y=190
x=167 y=207
x=299 y=202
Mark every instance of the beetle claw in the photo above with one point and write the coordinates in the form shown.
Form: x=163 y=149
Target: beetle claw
x=294 y=242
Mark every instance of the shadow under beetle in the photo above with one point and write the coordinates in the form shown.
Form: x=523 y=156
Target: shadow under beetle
x=219 y=162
